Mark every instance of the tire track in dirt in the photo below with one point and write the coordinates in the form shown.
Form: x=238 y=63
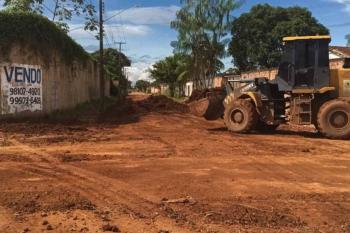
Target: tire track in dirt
x=117 y=195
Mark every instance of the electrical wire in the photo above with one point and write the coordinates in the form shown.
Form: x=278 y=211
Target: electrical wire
x=339 y=25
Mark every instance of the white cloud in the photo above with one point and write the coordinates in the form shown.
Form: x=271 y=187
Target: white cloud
x=129 y=29
x=139 y=71
x=346 y=4
x=139 y=68
x=146 y=15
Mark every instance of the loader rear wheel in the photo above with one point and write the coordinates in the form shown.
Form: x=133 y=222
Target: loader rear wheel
x=333 y=119
x=240 y=116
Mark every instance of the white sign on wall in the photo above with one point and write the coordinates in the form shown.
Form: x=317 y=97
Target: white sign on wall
x=21 y=88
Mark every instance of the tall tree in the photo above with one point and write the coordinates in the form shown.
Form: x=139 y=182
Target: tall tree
x=142 y=85
x=202 y=29
x=62 y=11
x=114 y=62
x=173 y=71
x=257 y=35
x=347 y=37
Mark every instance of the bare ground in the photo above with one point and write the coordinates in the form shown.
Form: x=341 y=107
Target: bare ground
x=145 y=168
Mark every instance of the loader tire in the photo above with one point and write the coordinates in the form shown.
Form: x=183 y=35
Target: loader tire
x=333 y=119
x=240 y=116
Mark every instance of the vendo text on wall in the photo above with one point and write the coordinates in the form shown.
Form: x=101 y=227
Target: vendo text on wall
x=21 y=88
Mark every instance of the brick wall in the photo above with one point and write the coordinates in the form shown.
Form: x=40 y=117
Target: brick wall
x=336 y=63
x=267 y=73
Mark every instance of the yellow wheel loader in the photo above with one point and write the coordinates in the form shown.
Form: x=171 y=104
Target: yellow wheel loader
x=305 y=92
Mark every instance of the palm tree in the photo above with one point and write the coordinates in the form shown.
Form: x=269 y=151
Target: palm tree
x=202 y=29
x=173 y=71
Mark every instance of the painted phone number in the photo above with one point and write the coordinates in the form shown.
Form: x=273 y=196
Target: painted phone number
x=25 y=100
x=25 y=91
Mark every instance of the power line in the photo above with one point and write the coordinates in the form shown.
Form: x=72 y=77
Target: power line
x=108 y=42
x=56 y=7
x=48 y=8
x=120 y=12
x=340 y=25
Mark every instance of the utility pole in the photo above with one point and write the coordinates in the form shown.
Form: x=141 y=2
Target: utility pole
x=122 y=71
x=102 y=81
x=120 y=51
x=55 y=11
x=120 y=45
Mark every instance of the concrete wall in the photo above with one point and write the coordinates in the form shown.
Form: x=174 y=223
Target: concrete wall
x=336 y=63
x=189 y=88
x=271 y=73
x=267 y=73
x=64 y=86
x=155 y=90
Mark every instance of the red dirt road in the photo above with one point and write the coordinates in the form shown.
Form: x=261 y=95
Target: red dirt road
x=139 y=169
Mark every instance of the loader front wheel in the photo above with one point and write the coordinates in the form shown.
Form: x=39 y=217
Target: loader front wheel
x=240 y=116
x=333 y=119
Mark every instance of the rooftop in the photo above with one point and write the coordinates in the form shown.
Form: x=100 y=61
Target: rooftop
x=340 y=51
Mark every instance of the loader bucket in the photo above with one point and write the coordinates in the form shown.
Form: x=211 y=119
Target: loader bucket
x=211 y=107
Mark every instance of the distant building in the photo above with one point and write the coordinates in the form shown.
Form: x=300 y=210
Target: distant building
x=337 y=55
x=188 y=88
x=155 y=90
x=164 y=89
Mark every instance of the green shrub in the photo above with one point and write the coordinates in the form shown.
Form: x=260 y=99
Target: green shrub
x=38 y=34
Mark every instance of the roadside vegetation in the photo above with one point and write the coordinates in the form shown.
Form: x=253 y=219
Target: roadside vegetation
x=84 y=112
x=114 y=61
x=62 y=13
x=27 y=28
x=208 y=32
x=22 y=21
x=143 y=85
x=257 y=35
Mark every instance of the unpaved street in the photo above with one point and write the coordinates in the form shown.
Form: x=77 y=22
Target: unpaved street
x=145 y=170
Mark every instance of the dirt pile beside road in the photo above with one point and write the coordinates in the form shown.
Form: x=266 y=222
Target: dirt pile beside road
x=163 y=103
x=200 y=94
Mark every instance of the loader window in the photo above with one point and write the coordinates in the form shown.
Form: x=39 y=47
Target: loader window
x=300 y=55
x=306 y=61
x=310 y=54
x=288 y=54
x=287 y=62
x=323 y=55
x=305 y=54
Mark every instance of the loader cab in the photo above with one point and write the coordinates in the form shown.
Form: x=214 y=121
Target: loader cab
x=304 y=64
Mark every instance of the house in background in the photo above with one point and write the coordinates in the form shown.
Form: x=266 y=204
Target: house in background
x=337 y=55
x=155 y=90
x=188 y=88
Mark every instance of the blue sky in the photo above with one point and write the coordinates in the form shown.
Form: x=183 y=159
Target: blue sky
x=144 y=26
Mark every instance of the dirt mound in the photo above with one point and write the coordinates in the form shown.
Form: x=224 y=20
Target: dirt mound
x=246 y=215
x=197 y=95
x=163 y=103
x=200 y=94
x=35 y=201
